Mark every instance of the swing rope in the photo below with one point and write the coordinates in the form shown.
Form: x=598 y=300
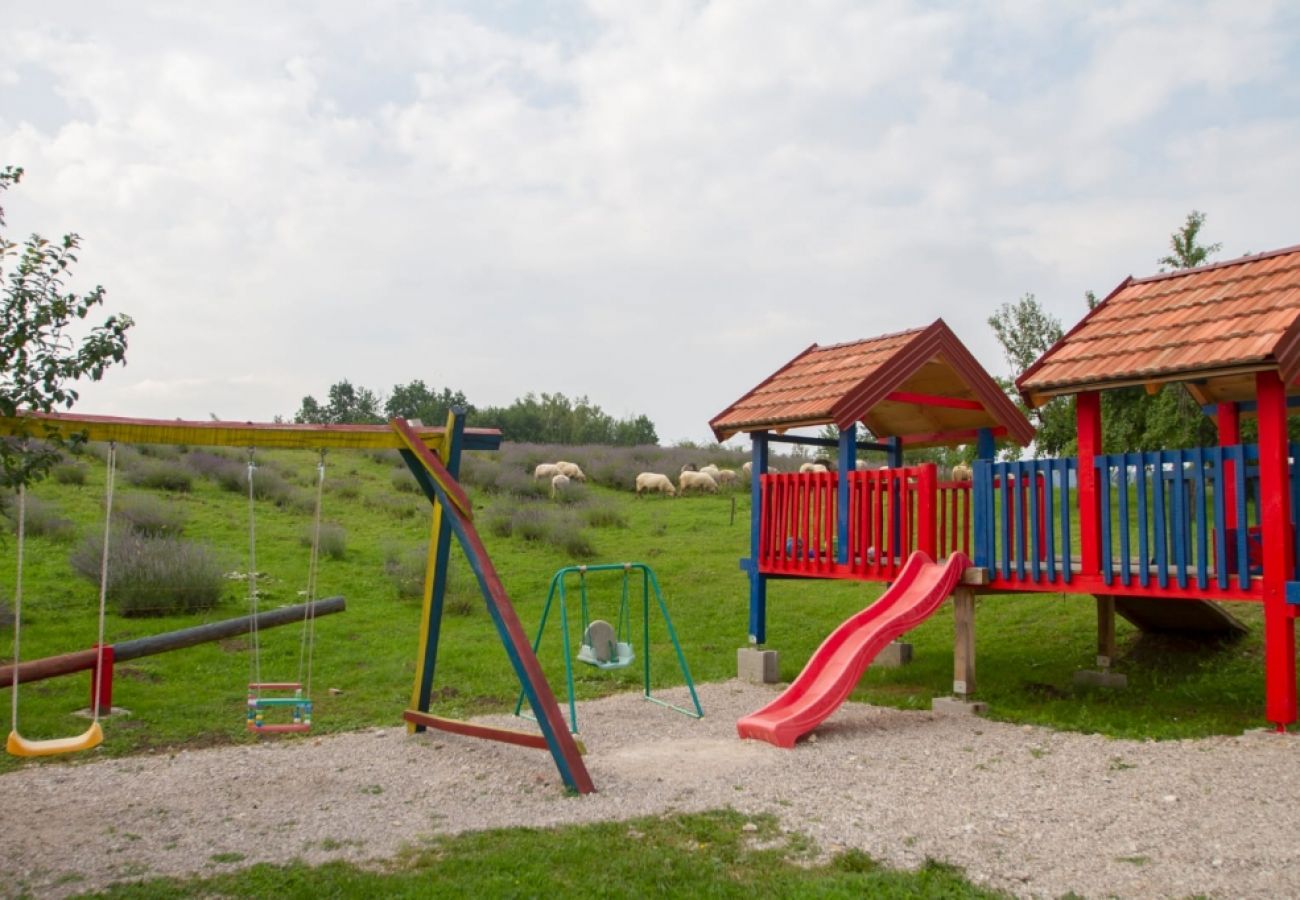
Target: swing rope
x=256 y=662
x=307 y=648
x=93 y=735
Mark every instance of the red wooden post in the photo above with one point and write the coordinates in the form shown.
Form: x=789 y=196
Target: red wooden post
x=1279 y=564
x=101 y=682
x=927 y=495
x=1229 y=420
x=1088 y=417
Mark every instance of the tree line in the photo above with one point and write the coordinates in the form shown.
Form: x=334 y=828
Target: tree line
x=539 y=418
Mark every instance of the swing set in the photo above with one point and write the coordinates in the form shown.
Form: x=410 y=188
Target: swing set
x=433 y=455
x=605 y=646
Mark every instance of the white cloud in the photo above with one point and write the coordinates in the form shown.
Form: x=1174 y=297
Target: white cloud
x=651 y=204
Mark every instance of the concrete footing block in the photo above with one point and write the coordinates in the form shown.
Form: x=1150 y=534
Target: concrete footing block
x=1102 y=679
x=758 y=666
x=958 y=706
x=895 y=655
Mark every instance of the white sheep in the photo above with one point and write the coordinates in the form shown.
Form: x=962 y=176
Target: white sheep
x=690 y=467
x=727 y=476
x=571 y=470
x=813 y=467
x=698 y=480
x=653 y=481
x=558 y=483
x=962 y=472
x=862 y=465
x=748 y=470
x=712 y=471
x=546 y=470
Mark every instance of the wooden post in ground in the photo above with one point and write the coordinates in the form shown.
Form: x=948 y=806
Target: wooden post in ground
x=963 y=650
x=1105 y=631
x=963 y=659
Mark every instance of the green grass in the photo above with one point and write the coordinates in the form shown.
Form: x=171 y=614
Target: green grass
x=1029 y=645
x=718 y=854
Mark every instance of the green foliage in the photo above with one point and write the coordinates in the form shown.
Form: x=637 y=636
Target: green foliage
x=39 y=359
x=161 y=475
x=43 y=518
x=1188 y=252
x=416 y=400
x=1026 y=331
x=722 y=854
x=346 y=404
x=152 y=576
x=333 y=539
x=148 y=515
x=69 y=473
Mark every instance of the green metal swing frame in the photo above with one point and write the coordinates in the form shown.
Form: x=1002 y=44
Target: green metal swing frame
x=622 y=659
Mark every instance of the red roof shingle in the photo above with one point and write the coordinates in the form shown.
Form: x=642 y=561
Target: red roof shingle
x=1183 y=325
x=843 y=383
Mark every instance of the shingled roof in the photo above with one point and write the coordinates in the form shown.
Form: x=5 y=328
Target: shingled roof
x=921 y=384
x=1211 y=328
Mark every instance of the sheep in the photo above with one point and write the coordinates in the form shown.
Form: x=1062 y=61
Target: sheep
x=712 y=471
x=862 y=465
x=653 y=481
x=727 y=476
x=690 y=467
x=698 y=480
x=813 y=467
x=558 y=483
x=962 y=472
x=546 y=470
x=571 y=470
x=748 y=470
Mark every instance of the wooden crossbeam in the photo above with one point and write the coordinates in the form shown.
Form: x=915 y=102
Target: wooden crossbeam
x=934 y=400
x=490 y=732
x=274 y=435
x=951 y=437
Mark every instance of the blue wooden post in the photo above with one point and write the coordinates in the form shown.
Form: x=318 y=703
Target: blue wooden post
x=848 y=462
x=895 y=456
x=982 y=499
x=456 y=427
x=757 y=581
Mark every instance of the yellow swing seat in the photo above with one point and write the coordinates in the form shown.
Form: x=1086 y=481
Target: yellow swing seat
x=17 y=745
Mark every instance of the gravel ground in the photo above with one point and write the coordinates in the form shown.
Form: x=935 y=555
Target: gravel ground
x=1028 y=810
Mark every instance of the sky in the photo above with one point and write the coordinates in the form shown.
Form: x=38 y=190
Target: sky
x=652 y=204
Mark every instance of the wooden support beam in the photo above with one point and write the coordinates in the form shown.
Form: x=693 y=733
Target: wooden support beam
x=963 y=649
x=489 y=732
x=1106 y=648
x=964 y=436
x=277 y=435
x=934 y=400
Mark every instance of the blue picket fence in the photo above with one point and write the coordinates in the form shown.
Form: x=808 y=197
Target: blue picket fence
x=1022 y=521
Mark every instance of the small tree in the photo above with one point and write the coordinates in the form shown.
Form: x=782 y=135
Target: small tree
x=40 y=359
x=1026 y=331
x=1188 y=253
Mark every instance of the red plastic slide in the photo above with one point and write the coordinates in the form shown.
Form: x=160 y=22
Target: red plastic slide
x=838 y=664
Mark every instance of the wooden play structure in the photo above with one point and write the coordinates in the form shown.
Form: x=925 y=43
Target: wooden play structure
x=433 y=455
x=1158 y=536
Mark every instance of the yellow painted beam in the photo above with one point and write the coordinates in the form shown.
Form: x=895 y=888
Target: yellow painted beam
x=276 y=435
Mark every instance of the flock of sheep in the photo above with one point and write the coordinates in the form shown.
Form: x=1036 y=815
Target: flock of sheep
x=705 y=480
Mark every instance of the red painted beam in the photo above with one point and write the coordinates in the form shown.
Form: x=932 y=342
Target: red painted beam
x=1279 y=564
x=489 y=732
x=935 y=400
x=950 y=437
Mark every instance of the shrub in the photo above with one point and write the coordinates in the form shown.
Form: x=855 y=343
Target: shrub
x=212 y=465
x=148 y=515
x=603 y=514
x=404 y=482
x=45 y=520
x=405 y=569
x=347 y=487
x=69 y=473
x=159 y=451
x=572 y=494
x=161 y=475
x=500 y=522
x=529 y=522
x=333 y=539
x=521 y=484
x=403 y=507
x=150 y=576
x=480 y=472
x=565 y=533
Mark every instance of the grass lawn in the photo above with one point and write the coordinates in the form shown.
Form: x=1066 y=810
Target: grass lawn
x=1029 y=646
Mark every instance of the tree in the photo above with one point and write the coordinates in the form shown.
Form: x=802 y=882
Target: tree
x=1188 y=253
x=1026 y=331
x=416 y=401
x=348 y=405
x=40 y=359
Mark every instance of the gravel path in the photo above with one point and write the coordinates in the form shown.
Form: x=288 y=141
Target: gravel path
x=1028 y=810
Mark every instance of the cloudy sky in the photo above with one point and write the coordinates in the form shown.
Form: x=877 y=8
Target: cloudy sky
x=653 y=204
